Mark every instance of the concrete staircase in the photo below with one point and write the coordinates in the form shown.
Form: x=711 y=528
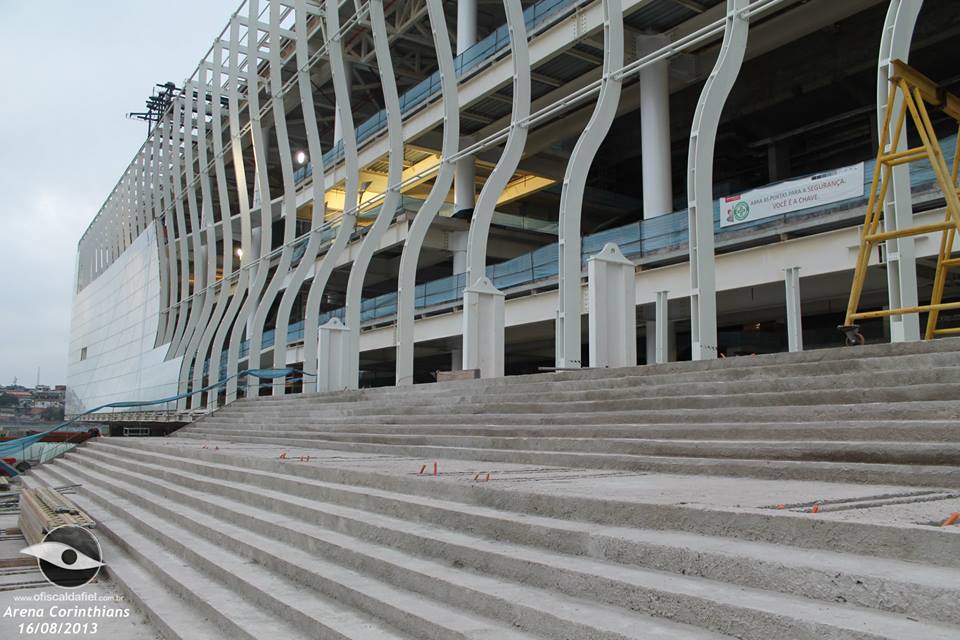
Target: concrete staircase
x=674 y=501
x=884 y=413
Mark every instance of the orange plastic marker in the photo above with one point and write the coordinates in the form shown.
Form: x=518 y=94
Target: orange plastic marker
x=952 y=519
x=422 y=469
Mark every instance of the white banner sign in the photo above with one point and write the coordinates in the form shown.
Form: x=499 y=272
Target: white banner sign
x=793 y=195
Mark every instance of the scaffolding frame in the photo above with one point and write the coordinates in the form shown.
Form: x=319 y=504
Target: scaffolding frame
x=916 y=92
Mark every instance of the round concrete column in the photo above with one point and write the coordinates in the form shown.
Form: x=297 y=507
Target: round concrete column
x=655 y=131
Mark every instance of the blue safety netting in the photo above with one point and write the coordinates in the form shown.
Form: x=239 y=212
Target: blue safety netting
x=20 y=444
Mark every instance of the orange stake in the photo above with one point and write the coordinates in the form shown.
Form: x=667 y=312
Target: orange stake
x=422 y=469
x=434 y=469
x=488 y=477
x=952 y=519
x=815 y=508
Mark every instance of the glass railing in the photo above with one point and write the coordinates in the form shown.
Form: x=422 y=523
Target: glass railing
x=636 y=240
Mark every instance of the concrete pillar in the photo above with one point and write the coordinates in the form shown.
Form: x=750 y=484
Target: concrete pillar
x=483 y=321
x=612 y=308
x=464 y=190
x=655 y=131
x=778 y=161
x=661 y=333
x=791 y=279
x=334 y=341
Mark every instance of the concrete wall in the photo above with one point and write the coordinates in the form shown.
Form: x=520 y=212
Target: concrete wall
x=115 y=318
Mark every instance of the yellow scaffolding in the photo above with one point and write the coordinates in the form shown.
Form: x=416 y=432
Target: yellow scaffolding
x=916 y=91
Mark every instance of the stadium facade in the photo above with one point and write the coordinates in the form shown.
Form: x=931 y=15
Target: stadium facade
x=376 y=191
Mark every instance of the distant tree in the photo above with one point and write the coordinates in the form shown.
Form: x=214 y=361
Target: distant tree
x=53 y=414
x=7 y=400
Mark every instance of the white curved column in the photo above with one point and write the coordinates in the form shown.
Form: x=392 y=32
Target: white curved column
x=169 y=224
x=262 y=267
x=246 y=234
x=898 y=207
x=156 y=202
x=703 y=137
x=307 y=262
x=208 y=249
x=417 y=233
x=351 y=364
x=288 y=210
x=183 y=242
x=568 y=347
x=482 y=341
x=197 y=257
x=226 y=232
x=348 y=222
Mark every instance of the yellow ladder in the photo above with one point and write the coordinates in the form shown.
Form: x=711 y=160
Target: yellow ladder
x=917 y=91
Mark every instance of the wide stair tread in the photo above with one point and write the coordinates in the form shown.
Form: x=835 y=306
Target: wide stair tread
x=611 y=621
x=888 y=576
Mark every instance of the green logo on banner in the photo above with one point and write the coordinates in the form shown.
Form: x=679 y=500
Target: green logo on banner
x=741 y=211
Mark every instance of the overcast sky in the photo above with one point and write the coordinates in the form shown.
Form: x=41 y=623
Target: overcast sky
x=70 y=72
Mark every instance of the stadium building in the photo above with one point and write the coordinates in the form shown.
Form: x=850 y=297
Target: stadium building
x=371 y=193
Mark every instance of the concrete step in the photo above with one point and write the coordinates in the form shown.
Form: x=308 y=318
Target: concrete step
x=913 y=410
x=222 y=587
x=870 y=358
x=846 y=431
x=905 y=474
x=312 y=579
x=298 y=547
x=622 y=389
x=479 y=538
x=870 y=451
x=909 y=543
x=171 y=610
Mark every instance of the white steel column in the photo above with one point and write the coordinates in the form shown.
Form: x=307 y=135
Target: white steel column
x=898 y=206
x=338 y=120
x=246 y=231
x=791 y=281
x=655 y=131
x=478 y=335
x=307 y=262
x=417 y=233
x=703 y=137
x=613 y=309
x=348 y=221
x=226 y=232
x=568 y=347
x=262 y=268
x=288 y=212
x=351 y=362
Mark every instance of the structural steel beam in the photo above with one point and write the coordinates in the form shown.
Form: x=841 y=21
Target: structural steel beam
x=568 y=347
x=478 y=337
x=246 y=231
x=288 y=210
x=351 y=364
x=223 y=292
x=308 y=261
x=348 y=222
x=898 y=208
x=703 y=137
x=407 y=279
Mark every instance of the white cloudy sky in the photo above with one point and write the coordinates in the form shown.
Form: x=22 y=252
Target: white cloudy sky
x=70 y=72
